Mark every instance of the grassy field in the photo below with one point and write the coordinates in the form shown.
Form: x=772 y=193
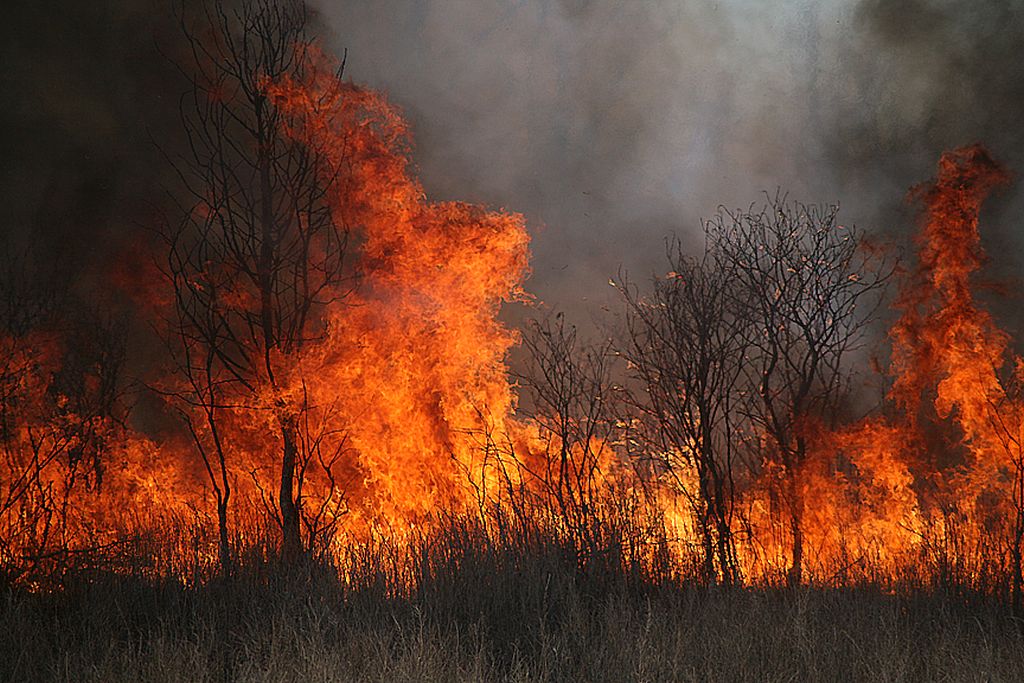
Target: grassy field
x=458 y=612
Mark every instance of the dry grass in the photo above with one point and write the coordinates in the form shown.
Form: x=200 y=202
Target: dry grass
x=478 y=612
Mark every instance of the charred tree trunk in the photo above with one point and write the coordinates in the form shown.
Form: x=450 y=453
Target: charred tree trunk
x=795 y=574
x=224 y=546
x=724 y=543
x=1017 y=579
x=291 y=544
x=715 y=528
x=291 y=540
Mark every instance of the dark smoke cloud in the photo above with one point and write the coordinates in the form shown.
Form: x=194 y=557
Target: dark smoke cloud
x=936 y=74
x=608 y=123
x=926 y=75
x=86 y=93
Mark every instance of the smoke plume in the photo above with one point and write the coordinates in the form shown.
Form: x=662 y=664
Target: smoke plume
x=610 y=124
x=607 y=124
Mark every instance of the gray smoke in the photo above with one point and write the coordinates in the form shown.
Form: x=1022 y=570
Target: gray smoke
x=610 y=123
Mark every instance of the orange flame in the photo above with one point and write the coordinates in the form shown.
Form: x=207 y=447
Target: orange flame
x=405 y=388
x=944 y=461
x=414 y=362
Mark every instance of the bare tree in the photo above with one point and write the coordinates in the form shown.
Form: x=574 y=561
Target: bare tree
x=199 y=394
x=569 y=396
x=61 y=400
x=1004 y=415
x=686 y=344
x=811 y=287
x=256 y=254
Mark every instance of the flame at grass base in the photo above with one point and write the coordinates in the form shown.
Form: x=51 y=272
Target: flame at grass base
x=404 y=407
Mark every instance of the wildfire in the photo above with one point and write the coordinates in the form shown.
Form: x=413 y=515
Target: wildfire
x=399 y=401
x=412 y=368
x=941 y=467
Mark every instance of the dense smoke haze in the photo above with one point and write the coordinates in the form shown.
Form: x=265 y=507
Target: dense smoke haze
x=608 y=124
x=88 y=97
x=611 y=124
